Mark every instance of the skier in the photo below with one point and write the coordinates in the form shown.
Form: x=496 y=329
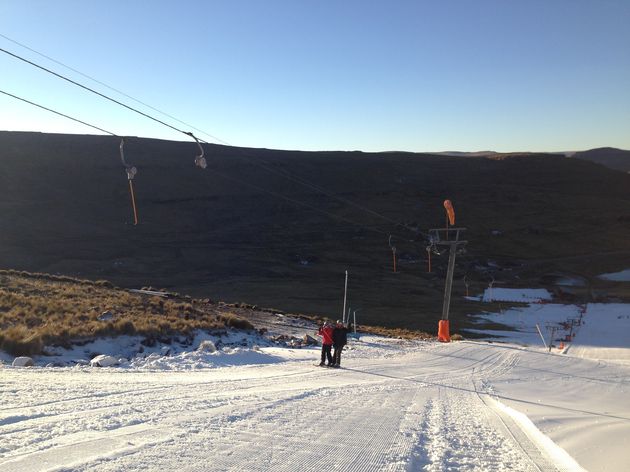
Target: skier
x=340 y=339
x=326 y=333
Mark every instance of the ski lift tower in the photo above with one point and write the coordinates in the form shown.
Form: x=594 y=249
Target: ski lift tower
x=447 y=237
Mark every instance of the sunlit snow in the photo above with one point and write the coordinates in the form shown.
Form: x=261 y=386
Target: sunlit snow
x=395 y=405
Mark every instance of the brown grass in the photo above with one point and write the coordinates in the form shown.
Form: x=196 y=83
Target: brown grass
x=233 y=321
x=40 y=309
x=396 y=332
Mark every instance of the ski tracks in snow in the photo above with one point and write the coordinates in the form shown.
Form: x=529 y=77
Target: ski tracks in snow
x=456 y=436
x=457 y=430
x=416 y=411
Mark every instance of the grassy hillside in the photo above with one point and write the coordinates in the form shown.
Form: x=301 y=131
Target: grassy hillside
x=39 y=309
x=222 y=233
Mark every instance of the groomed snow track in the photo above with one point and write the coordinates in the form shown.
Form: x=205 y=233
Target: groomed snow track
x=404 y=408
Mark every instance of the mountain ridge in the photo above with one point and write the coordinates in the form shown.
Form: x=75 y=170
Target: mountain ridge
x=241 y=230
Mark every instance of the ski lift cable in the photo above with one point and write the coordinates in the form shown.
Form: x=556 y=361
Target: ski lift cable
x=57 y=113
x=91 y=90
x=199 y=160
x=347 y=201
x=330 y=194
x=131 y=171
x=111 y=88
x=131 y=174
x=287 y=175
x=315 y=187
x=303 y=230
x=326 y=192
x=298 y=202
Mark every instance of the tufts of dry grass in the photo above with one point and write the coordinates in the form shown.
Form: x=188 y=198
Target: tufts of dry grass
x=20 y=341
x=40 y=309
x=396 y=332
x=378 y=330
x=233 y=321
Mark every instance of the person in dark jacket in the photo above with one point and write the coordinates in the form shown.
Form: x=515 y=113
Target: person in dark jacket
x=326 y=333
x=340 y=339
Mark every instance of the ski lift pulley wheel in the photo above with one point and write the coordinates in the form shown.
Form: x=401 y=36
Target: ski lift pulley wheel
x=200 y=160
x=131 y=172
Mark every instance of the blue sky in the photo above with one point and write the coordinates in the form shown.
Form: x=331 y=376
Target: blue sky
x=537 y=75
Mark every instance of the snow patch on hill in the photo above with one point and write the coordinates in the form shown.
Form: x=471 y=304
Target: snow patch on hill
x=521 y=295
x=600 y=330
x=622 y=276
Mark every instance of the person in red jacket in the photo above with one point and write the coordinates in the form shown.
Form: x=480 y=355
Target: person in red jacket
x=326 y=333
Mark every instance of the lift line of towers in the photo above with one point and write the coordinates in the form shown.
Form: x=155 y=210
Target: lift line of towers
x=449 y=236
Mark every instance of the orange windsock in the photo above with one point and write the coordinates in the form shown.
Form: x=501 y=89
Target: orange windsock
x=450 y=211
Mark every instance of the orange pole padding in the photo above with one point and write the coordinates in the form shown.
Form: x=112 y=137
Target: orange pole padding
x=443 y=332
x=133 y=204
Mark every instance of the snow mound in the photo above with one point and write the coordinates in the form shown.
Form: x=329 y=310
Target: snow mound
x=204 y=359
x=207 y=346
x=104 y=361
x=23 y=361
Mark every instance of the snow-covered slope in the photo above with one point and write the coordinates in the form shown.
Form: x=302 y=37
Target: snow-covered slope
x=599 y=331
x=396 y=405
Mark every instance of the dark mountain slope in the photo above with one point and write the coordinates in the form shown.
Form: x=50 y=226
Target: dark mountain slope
x=610 y=157
x=64 y=207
